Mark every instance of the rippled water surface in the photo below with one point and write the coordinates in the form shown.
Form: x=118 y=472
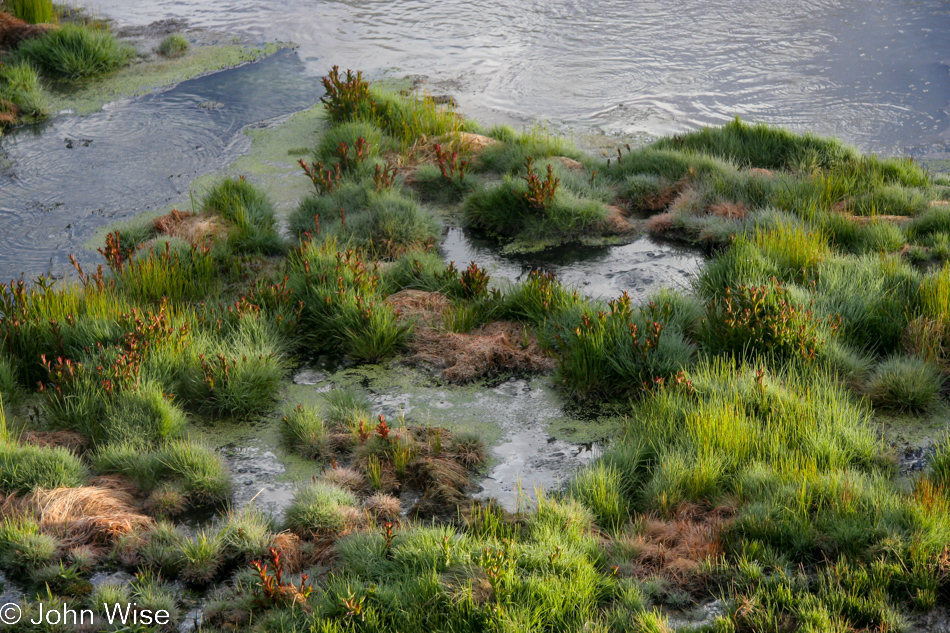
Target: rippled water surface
x=874 y=73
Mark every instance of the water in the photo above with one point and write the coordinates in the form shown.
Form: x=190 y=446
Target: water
x=639 y=268
x=874 y=73
x=75 y=174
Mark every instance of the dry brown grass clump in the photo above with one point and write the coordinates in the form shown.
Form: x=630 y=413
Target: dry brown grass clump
x=9 y=113
x=86 y=516
x=660 y=223
x=491 y=349
x=291 y=555
x=427 y=307
x=345 y=477
x=190 y=227
x=75 y=442
x=14 y=30
x=729 y=210
x=676 y=548
x=616 y=222
x=440 y=478
x=569 y=163
x=383 y=507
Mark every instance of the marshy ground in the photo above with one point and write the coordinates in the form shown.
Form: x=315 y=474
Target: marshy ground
x=752 y=424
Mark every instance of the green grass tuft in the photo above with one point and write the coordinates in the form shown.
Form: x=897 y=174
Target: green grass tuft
x=174 y=45
x=904 y=384
x=24 y=468
x=32 y=11
x=76 y=51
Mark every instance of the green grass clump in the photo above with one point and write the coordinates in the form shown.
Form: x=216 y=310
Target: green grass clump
x=196 y=469
x=143 y=414
x=410 y=118
x=174 y=45
x=670 y=165
x=600 y=488
x=250 y=214
x=505 y=211
x=514 y=148
x=855 y=239
x=418 y=270
x=892 y=200
x=347 y=199
x=180 y=274
x=75 y=51
x=794 y=251
x=701 y=436
x=346 y=404
x=23 y=548
x=439 y=188
x=765 y=320
x=20 y=87
x=32 y=11
x=245 y=535
x=618 y=352
x=305 y=430
x=236 y=371
x=538 y=298
x=391 y=225
x=25 y=467
x=904 y=384
x=349 y=98
x=342 y=308
x=201 y=556
x=761 y=146
x=876 y=297
x=320 y=509
x=202 y=473
x=935 y=294
x=358 y=154
x=386 y=224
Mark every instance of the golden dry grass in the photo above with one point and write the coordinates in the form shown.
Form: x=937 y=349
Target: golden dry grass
x=676 y=548
x=485 y=351
x=75 y=442
x=86 y=516
x=192 y=228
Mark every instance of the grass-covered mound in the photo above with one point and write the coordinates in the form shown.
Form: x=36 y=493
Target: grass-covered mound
x=75 y=51
x=21 y=98
x=33 y=45
x=754 y=475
